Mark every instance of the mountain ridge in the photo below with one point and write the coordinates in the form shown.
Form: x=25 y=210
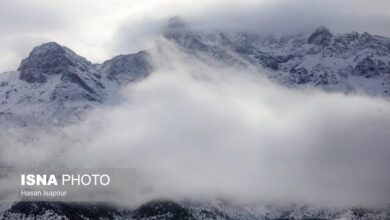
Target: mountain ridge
x=321 y=59
x=56 y=86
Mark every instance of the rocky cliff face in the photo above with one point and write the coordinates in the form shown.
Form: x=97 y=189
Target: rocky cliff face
x=127 y=68
x=346 y=63
x=51 y=59
x=54 y=85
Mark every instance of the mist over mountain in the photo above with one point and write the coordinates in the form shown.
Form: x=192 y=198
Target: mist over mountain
x=59 y=85
x=298 y=124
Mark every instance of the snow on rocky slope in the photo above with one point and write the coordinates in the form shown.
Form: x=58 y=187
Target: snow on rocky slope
x=187 y=210
x=347 y=63
x=54 y=86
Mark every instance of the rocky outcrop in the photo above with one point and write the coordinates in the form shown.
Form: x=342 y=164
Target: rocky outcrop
x=50 y=59
x=319 y=59
x=60 y=84
x=57 y=86
x=128 y=68
x=321 y=36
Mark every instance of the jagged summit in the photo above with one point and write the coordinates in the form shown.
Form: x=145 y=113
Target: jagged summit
x=59 y=83
x=45 y=47
x=127 y=68
x=321 y=36
x=176 y=23
x=56 y=86
x=50 y=59
x=335 y=62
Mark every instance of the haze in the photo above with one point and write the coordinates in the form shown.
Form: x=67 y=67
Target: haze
x=99 y=29
x=194 y=130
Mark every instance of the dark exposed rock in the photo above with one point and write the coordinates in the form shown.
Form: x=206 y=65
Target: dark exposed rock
x=176 y=22
x=74 y=78
x=323 y=79
x=50 y=59
x=188 y=41
x=321 y=36
x=72 y=211
x=366 y=37
x=300 y=75
x=273 y=62
x=162 y=210
x=369 y=68
x=128 y=68
x=3 y=84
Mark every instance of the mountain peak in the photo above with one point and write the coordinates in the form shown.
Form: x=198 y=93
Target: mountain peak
x=321 y=36
x=128 y=68
x=47 y=47
x=176 y=23
x=49 y=59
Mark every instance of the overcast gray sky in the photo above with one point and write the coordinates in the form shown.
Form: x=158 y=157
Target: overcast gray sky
x=100 y=29
x=182 y=132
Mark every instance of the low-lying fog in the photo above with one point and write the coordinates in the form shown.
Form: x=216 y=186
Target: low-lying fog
x=193 y=131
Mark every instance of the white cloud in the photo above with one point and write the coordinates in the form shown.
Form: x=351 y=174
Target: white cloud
x=192 y=130
x=99 y=29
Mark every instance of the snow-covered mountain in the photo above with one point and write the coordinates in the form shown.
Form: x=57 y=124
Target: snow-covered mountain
x=54 y=86
x=185 y=210
x=347 y=63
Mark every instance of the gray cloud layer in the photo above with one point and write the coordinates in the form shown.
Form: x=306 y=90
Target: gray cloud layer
x=99 y=29
x=284 y=17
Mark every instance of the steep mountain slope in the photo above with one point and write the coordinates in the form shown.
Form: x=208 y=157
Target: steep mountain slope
x=54 y=85
x=347 y=63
